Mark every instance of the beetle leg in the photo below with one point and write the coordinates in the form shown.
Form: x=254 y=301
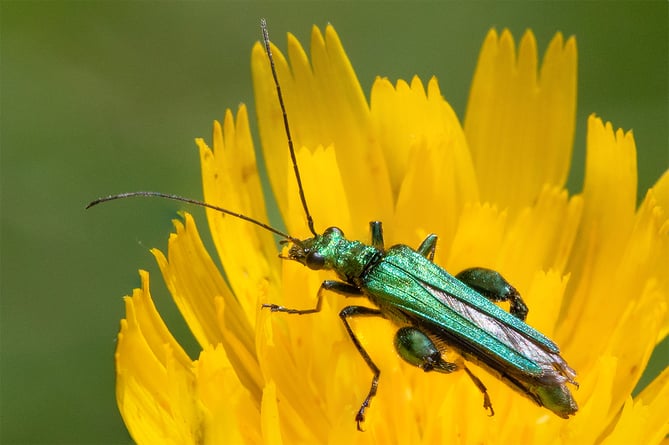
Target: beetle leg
x=417 y=349
x=479 y=384
x=376 y=231
x=492 y=285
x=428 y=246
x=348 y=290
x=357 y=311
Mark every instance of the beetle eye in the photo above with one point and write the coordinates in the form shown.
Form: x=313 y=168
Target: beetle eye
x=315 y=261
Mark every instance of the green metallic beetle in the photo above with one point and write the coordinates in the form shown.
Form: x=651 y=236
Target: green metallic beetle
x=437 y=311
x=434 y=310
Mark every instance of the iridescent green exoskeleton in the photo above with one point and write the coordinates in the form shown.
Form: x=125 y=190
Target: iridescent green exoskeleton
x=437 y=311
x=433 y=310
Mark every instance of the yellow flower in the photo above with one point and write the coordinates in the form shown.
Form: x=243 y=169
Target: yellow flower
x=591 y=267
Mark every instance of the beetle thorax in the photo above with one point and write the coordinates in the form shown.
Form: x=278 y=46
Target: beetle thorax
x=332 y=251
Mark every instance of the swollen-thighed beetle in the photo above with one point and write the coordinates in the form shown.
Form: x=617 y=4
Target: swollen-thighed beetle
x=433 y=310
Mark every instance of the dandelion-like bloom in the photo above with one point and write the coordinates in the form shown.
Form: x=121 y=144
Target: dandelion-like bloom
x=591 y=267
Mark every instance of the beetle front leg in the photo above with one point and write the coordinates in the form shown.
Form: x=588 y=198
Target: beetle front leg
x=492 y=285
x=339 y=287
x=358 y=311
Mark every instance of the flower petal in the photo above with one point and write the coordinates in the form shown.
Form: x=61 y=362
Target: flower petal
x=270 y=426
x=540 y=238
x=545 y=295
x=594 y=401
x=520 y=127
x=301 y=346
x=268 y=377
x=644 y=419
x=230 y=179
x=432 y=171
x=597 y=278
x=651 y=240
x=202 y=296
x=656 y=398
x=154 y=379
x=407 y=116
x=325 y=194
x=478 y=238
x=231 y=414
x=326 y=107
x=633 y=351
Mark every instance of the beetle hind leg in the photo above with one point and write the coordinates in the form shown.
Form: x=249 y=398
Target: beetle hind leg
x=417 y=348
x=487 y=404
x=492 y=285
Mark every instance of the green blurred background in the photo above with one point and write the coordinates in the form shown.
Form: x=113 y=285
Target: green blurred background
x=104 y=97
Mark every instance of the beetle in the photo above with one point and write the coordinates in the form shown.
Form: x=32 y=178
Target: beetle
x=433 y=310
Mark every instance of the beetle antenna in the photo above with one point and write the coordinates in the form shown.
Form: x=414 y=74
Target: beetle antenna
x=268 y=49
x=197 y=203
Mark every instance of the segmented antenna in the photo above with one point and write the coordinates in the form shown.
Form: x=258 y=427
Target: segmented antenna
x=268 y=49
x=198 y=203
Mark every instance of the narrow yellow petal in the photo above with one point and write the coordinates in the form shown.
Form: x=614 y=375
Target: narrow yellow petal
x=609 y=200
x=231 y=414
x=422 y=133
x=405 y=117
x=540 y=237
x=154 y=378
x=230 y=180
x=153 y=329
x=326 y=107
x=644 y=419
x=201 y=294
x=270 y=425
x=544 y=298
x=648 y=249
x=594 y=401
x=661 y=190
x=304 y=412
x=633 y=351
x=656 y=397
x=269 y=117
x=193 y=289
x=477 y=240
x=390 y=106
x=520 y=123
